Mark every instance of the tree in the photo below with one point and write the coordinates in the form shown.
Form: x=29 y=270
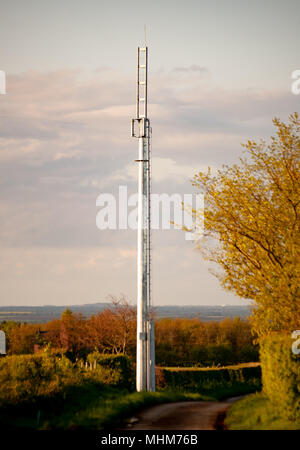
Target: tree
x=252 y=227
x=23 y=338
x=52 y=331
x=191 y=342
x=126 y=319
x=8 y=327
x=74 y=335
x=114 y=329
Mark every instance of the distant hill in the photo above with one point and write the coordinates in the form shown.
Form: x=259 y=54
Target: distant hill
x=39 y=314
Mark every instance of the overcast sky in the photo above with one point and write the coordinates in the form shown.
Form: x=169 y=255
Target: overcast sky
x=219 y=72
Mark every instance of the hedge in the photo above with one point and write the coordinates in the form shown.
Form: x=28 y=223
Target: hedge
x=33 y=378
x=201 y=380
x=116 y=370
x=205 y=355
x=281 y=375
x=25 y=378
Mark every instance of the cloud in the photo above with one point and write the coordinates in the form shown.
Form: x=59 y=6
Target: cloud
x=65 y=138
x=193 y=68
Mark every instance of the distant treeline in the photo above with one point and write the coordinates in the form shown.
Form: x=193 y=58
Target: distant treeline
x=190 y=342
x=43 y=314
x=179 y=342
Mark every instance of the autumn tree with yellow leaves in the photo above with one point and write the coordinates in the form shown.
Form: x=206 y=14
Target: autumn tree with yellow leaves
x=251 y=222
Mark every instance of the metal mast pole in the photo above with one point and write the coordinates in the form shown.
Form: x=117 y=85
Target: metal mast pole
x=140 y=128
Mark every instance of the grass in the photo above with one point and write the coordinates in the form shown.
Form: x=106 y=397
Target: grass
x=88 y=407
x=222 y=392
x=234 y=366
x=255 y=412
x=111 y=413
x=95 y=406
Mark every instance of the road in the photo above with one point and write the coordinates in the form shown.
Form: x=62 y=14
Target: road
x=182 y=416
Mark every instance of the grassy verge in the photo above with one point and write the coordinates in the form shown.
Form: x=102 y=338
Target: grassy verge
x=222 y=392
x=48 y=392
x=113 y=412
x=87 y=407
x=255 y=412
x=96 y=406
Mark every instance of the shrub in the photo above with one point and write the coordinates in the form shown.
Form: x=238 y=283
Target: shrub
x=201 y=380
x=281 y=375
x=27 y=377
x=115 y=370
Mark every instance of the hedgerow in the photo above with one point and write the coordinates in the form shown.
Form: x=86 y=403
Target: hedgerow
x=281 y=375
x=115 y=370
x=27 y=377
x=206 y=380
x=32 y=378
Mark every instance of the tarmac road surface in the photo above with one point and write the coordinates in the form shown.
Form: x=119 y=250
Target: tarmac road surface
x=182 y=416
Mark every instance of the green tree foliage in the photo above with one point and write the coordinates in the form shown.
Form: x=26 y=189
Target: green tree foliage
x=115 y=370
x=33 y=378
x=281 y=375
x=252 y=227
x=24 y=378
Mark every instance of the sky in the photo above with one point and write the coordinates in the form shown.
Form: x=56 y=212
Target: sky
x=219 y=72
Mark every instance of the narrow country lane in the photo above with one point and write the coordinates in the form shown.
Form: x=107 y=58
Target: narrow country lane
x=182 y=416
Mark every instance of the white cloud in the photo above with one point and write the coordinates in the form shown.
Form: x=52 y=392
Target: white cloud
x=65 y=138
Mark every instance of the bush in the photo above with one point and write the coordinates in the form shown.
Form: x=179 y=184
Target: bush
x=114 y=370
x=256 y=412
x=33 y=378
x=281 y=375
x=25 y=378
x=208 y=380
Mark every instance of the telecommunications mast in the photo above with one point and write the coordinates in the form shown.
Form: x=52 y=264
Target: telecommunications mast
x=140 y=128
